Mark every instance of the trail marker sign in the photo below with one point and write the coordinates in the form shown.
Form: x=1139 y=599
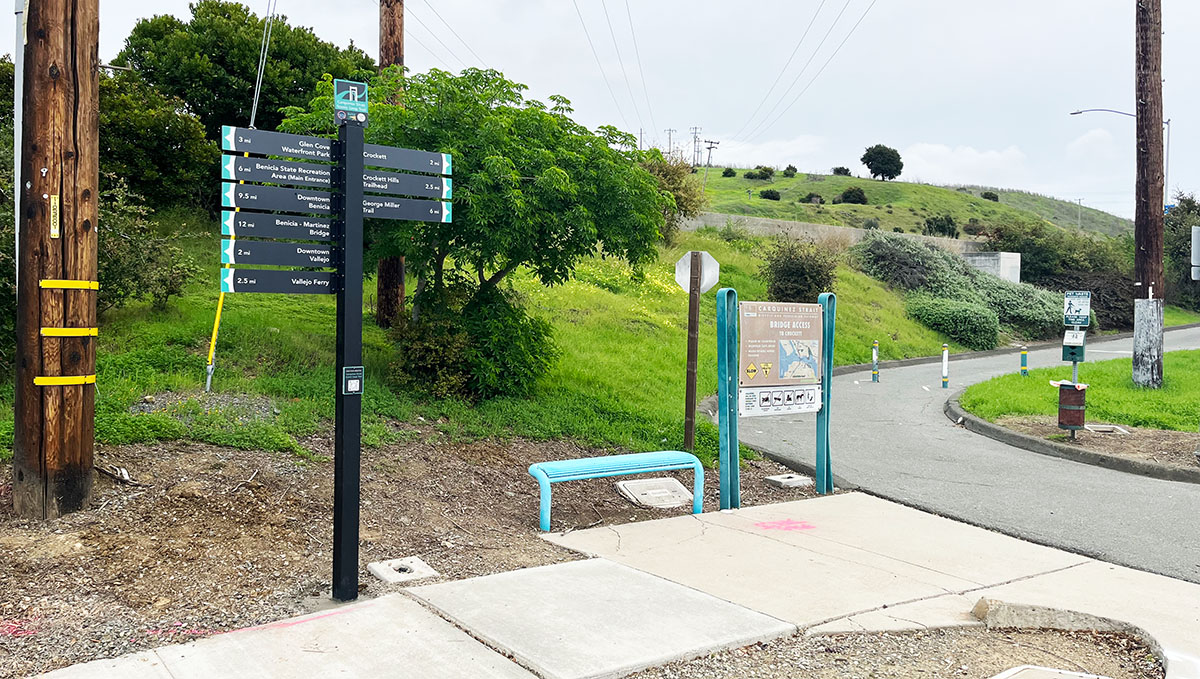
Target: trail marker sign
x=1077 y=308
x=780 y=358
x=350 y=102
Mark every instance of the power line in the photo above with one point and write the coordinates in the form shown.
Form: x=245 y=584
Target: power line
x=621 y=60
x=783 y=70
x=408 y=11
x=599 y=65
x=795 y=80
x=464 y=42
x=642 y=74
x=822 y=69
x=426 y=48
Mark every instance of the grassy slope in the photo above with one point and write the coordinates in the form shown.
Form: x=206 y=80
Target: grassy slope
x=619 y=381
x=1063 y=213
x=1173 y=315
x=894 y=204
x=1111 y=395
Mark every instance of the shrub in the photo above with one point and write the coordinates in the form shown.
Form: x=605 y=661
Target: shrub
x=814 y=197
x=973 y=227
x=896 y=229
x=972 y=325
x=841 y=171
x=480 y=347
x=854 y=195
x=1112 y=295
x=760 y=172
x=871 y=224
x=798 y=271
x=916 y=266
x=729 y=172
x=789 y=171
x=942 y=225
x=1047 y=250
x=769 y=194
x=135 y=262
x=990 y=195
x=751 y=174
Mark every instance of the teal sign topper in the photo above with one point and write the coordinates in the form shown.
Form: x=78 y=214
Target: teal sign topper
x=350 y=102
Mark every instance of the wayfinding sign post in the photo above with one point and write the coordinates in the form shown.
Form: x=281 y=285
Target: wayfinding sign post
x=773 y=358
x=268 y=220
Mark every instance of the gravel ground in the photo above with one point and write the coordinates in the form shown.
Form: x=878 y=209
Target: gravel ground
x=960 y=653
x=217 y=539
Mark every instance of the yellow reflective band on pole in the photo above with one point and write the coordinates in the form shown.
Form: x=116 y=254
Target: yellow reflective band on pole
x=70 y=332
x=64 y=380
x=69 y=285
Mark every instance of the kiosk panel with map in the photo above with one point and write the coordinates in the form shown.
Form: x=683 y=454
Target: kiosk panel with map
x=779 y=366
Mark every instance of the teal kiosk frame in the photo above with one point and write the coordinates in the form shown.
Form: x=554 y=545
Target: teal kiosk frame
x=727 y=396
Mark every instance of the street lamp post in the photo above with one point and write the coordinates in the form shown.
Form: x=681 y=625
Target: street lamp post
x=1166 y=147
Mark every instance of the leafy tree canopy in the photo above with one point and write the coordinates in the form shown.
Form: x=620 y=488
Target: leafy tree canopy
x=531 y=186
x=211 y=62
x=675 y=179
x=883 y=162
x=153 y=143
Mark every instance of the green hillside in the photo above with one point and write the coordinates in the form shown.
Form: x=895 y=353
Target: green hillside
x=893 y=204
x=1060 y=212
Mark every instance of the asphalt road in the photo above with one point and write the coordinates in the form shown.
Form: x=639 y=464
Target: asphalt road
x=893 y=440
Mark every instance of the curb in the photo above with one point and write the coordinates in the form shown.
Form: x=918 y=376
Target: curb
x=965 y=355
x=953 y=410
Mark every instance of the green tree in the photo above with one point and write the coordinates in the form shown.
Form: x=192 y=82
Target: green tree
x=1177 y=247
x=211 y=62
x=675 y=178
x=532 y=189
x=154 y=144
x=883 y=162
x=841 y=171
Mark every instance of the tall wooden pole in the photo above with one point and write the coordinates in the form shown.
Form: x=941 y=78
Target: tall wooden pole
x=56 y=306
x=1148 y=206
x=390 y=272
x=693 y=353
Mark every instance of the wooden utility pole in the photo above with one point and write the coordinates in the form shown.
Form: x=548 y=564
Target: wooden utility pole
x=390 y=271
x=1148 y=205
x=56 y=306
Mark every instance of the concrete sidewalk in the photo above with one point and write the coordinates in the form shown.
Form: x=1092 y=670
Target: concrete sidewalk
x=682 y=587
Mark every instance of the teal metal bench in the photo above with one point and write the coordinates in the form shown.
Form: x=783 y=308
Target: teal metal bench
x=547 y=473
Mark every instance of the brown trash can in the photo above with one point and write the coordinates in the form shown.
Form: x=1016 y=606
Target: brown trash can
x=1071 y=405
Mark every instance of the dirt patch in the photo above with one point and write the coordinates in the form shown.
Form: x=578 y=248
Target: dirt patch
x=960 y=653
x=1156 y=446
x=221 y=539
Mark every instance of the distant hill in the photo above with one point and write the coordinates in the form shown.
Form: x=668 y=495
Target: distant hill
x=1061 y=212
x=894 y=204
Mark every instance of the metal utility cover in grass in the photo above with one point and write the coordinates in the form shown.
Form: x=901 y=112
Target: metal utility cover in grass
x=661 y=493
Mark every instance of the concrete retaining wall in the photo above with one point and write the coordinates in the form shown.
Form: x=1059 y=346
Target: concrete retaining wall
x=763 y=226
x=1006 y=265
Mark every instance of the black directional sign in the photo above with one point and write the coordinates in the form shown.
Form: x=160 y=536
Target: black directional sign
x=286 y=227
x=262 y=142
x=275 y=280
x=268 y=171
x=395 y=158
x=399 y=184
x=245 y=140
x=380 y=207
x=255 y=197
x=276 y=171
x=242 y=251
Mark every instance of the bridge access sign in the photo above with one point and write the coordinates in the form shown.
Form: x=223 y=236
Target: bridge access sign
x=779 y=358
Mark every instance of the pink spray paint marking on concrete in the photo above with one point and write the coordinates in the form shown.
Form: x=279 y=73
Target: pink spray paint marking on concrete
x=785 y=524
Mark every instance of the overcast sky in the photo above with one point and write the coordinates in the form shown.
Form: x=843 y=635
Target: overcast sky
x=969 y=92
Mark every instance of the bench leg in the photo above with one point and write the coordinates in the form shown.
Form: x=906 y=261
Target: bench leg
x=544 y=508
x=698 y=489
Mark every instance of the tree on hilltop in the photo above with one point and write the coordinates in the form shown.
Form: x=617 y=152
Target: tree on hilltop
x=883 y=162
